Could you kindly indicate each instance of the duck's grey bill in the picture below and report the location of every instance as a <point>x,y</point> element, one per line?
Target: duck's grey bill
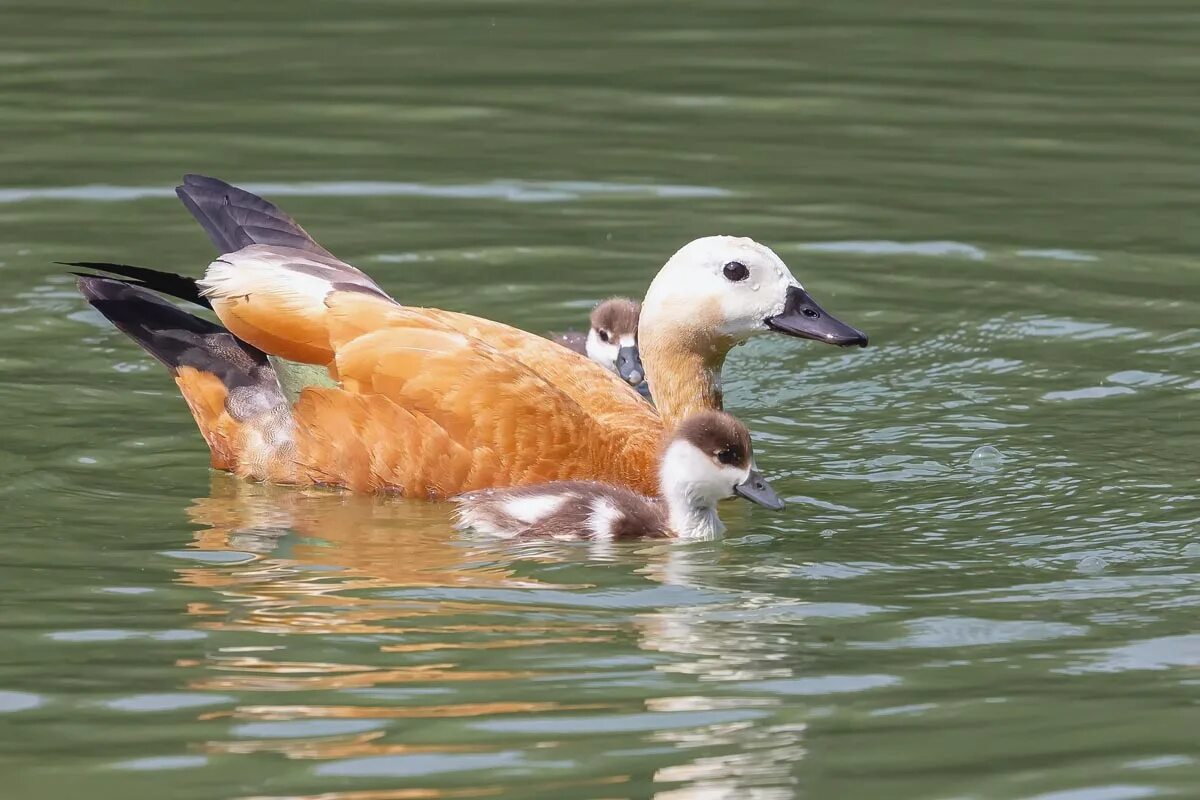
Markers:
<point>801,316</point>
<point>756,489</point>
<point>629,365</point>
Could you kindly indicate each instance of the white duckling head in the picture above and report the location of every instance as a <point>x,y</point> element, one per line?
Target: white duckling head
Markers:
<point>737,288</point>
<point>708,459</point>
<point>612,341</point>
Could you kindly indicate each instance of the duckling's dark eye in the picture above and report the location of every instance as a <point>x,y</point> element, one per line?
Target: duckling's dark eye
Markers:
<point>736,271</point>
<point>603,334</point>
<point>727,456</point>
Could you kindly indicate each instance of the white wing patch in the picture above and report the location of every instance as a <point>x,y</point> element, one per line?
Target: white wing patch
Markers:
<point>603,518</point>
<point>249,271</point>
<point>532,509</point>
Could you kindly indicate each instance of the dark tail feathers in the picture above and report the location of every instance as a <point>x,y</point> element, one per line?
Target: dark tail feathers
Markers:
<point>168,283</point>
<point>177,338</point>
<point>234,218</point>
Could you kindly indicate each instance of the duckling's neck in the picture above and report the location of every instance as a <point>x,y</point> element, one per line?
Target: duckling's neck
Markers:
<point>692,519</point>
<point>683,368</point>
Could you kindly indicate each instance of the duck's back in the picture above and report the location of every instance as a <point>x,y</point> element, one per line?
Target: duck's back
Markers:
<point>565,510</point>
<point>431,403</point>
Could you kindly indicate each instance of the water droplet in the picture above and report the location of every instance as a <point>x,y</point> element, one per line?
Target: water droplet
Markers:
<point>986,459</point>
<point>754,287</point>
<point>1191,550</point>
<point>1091,565</point>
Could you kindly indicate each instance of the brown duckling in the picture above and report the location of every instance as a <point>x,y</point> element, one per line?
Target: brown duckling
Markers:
<point>706,460</point>
<point>611,341</point>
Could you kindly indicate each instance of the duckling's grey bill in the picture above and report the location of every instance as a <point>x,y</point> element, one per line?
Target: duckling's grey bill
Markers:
<point>629,365</point>
<point>756,489</point>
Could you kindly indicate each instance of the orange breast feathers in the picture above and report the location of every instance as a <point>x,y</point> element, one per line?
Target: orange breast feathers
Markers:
<point>432,404</point>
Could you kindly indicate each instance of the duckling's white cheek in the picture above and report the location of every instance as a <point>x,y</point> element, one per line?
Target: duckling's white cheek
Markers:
<point>603,353</point>
<point>693,474</point>
<point>730,478</point>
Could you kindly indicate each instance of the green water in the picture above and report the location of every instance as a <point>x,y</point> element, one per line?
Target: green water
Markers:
<point>1004,195</point>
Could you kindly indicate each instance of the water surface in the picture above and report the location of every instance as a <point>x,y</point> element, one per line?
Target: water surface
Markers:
<point>1002,195</point>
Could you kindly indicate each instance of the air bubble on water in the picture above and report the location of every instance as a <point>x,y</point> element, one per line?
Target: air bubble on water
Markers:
<point>1091,565</point>
<point>986,459</point>
<point>1191,550</point>
<point>86,460</point>
<point>828,533</point>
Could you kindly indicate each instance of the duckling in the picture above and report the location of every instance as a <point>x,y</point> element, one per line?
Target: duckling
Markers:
<point>707,459</point>
<point>612,339</point>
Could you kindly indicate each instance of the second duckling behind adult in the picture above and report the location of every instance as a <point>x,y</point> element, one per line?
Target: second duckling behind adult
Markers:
<point>706,460</point>
<point>611,340</point>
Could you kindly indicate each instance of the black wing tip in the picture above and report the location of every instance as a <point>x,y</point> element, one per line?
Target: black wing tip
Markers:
<point>101,265</point>
<point>97,287</point>
<point>106,288</point>
<point>172,284</point>
<point>196,180</point>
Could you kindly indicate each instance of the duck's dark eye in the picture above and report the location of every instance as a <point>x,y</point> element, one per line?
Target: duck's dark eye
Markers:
<point>736,271</point>
<point>727,456</point>
<point>603,334</point>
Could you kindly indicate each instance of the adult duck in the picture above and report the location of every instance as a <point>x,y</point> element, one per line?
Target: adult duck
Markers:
<point>425,402</point>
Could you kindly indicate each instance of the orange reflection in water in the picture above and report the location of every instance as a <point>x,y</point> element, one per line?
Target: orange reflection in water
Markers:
<point>320,554</point>
<point>334,565</point>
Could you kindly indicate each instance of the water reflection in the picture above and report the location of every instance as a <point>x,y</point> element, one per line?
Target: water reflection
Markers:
<point>564,654</point>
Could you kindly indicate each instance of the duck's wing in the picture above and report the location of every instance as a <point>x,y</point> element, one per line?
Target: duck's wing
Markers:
<point>234,218</point>
<point>432,412</point>
<point>597,390</point>
<point>281,301</point>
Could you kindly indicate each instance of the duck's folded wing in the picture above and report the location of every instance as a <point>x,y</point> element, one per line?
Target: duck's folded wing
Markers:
<point>280,301</point>
<point>521,428</point>
<point>601,393</point>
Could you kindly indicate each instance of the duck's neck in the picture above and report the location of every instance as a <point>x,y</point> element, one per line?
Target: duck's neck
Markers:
<point>683,368</point>
<point>690,519</point>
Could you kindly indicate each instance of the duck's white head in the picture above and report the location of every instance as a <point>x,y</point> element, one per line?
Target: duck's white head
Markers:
<point>733,288</point>
<point>612,338</point>
<point>708,459</point>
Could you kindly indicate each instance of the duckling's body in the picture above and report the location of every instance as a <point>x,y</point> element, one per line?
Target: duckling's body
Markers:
<point>565,510</point>
<point>707,460</point>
